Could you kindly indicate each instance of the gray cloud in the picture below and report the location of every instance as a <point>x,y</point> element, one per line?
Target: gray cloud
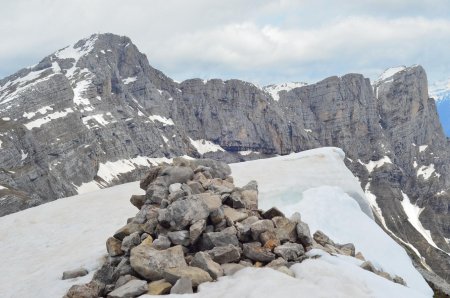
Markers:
<point>260,41</point>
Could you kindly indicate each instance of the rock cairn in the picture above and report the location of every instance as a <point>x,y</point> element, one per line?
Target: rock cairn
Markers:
<point>194,226</point>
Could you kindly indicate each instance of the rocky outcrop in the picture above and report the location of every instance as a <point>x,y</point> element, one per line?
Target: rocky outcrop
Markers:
<point>220,247</point>
<point>96,114</point>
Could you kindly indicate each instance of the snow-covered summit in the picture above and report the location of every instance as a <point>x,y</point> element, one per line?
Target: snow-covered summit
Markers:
<point>275,89</point>
<point>389,73</point>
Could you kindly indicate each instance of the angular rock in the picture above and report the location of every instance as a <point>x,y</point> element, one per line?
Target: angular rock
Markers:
<point>196,229</point>
<point>249,195</point>
<point>367,265</point>
<point>182,213</point>
<point>159,287</point>
<point>233,215</point>
<point>255,252</point>
<point>137,200</point>
<point>182,286</point>
<point>161,243</point>
<point>261,226</point>
<point>398,280</point>
<point>347,249</point>
<point>289,251</point>
<point>204,261</point>
<point>285,230</point>
<point>128,229</point>
<point>271,213</point>
<point>225,254</point>
<point>131,289</point>
<point>277,263</point>
<point>113,246</point>
<point>89,290</point>
<point>231,268</point>
<point>176,174</point>
<point>174,187</point>
<point>217,239</point>
<point>123,280</point>
<point>196,187</point>
<point>195,274</point>
<point>304,235</point>
<point>151,176</point>
<point>321,238</point>
<point>131,241</point>
<point>157,191</point>
<point>150,263</point>
<point>74,273</point>
<point>179,237</point>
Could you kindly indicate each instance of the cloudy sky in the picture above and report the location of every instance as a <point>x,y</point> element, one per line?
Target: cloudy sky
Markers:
<point>259,41</point>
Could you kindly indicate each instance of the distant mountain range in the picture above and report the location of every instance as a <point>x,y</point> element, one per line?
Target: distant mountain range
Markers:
<point>440,91</point>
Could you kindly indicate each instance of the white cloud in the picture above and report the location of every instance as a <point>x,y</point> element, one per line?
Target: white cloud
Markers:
<point>265,41</point>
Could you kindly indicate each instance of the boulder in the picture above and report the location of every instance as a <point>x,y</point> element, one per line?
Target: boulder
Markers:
<point>255,252</point>
<point>289,251</point>
<point>182,213</point>
<point>204,261</point>
<point>225,254</point>
<point>195,274</point>
<point>196,229</point>
<point>182,286</point>
<point>150,263</point>
<point>74,273</point>
<point>367,265</point>
<point>159,287</point>
<point>133,288</point>
<point>196,187</point>
<point>113,246</point>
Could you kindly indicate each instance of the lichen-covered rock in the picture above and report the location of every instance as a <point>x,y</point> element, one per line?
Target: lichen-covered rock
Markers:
<point>289,251</point>
<point>150,263</point>
<point>179,237</point>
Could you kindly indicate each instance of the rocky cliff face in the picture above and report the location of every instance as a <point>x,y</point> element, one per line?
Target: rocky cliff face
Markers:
<point>96,114</point>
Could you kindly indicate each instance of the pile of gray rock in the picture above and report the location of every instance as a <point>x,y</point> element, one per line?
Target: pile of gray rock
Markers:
<point>194,226</point>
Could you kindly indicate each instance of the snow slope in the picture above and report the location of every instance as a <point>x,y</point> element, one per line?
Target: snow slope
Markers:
<point>38,244</point>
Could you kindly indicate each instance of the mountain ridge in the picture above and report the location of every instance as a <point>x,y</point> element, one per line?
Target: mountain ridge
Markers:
<point>96,114</point>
